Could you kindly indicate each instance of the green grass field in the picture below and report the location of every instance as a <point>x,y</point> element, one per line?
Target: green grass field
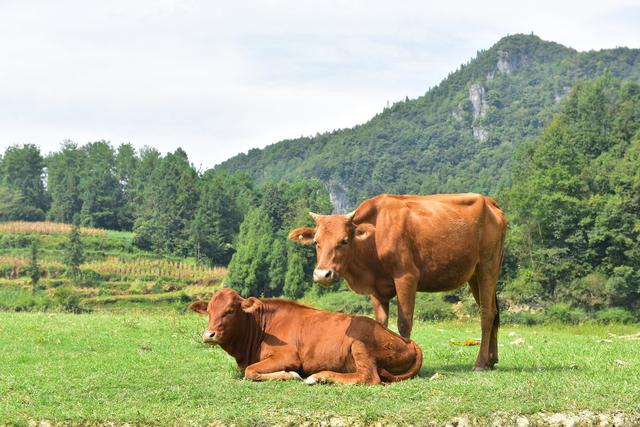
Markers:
<point>152,369</point>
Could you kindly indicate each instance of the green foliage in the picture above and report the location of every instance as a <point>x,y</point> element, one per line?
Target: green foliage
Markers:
<point>169,204</point>
<point>22,173</point>
<point>221,208</point>
<point>74,252</point>
<point>616,315</point>
<point>63,182</point>
<point>564,313</point>
<point>525,288</point>
<point>574,203</point>
<point>265,264</point>
<point>19,298</point>
<point>68,299</point>
<point>33,268</point>
<point>431,306</point>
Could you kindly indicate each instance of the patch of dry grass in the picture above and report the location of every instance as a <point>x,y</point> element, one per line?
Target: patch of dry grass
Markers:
<point>46,227</point>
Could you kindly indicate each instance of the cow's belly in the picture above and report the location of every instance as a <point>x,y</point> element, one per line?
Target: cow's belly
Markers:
<point>446,274</point>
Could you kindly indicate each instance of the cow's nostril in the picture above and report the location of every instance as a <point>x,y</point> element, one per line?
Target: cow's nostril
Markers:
<point>328,274</point>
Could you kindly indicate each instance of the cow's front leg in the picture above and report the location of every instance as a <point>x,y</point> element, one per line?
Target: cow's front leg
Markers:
<point>272,368</point>
<point>380,309</point>
<point>406,287</point>
<point>366,369</point>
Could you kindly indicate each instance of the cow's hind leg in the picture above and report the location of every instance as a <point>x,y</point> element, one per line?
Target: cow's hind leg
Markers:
<point>483,287</point>
<point>366,370</point>
<point>272,368</point>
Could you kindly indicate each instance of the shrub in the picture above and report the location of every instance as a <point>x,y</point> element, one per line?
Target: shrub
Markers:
<point>615,315</point>
<point>344,301</point>
<point>523,318</point>
<point>589,292</point>
<point>564,313</point>
<point>430,306</point>
<point>68,299</point>
<point>526,288</point>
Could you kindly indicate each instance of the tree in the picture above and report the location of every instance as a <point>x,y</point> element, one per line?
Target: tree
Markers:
<point>126,165</point>
<point>265,264</point>
<point>169,204</point>
<point>100,191</point>
<point>33,268</point>
<point>23,171</point>
<point>220,212</point>
<point>10,201</point>
<point>249,268</point>
<point>574,202</point>
<point>64,169</point>
<point>74,251</point>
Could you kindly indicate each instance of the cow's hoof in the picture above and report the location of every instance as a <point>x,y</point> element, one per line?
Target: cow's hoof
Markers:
<point>311,380</point>
<point>295,375</point>
<point>480,369</point>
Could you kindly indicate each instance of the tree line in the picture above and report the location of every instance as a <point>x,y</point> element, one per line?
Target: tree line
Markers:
<point>171,208</point>
<point>574,206</point>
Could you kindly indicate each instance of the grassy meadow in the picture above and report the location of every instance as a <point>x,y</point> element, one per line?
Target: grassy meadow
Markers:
<point>152,369</point>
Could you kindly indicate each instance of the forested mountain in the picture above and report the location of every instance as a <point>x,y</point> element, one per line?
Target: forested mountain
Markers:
<point>460,136</point>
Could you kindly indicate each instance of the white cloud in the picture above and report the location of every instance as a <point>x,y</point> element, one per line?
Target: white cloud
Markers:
<point>219,78</point>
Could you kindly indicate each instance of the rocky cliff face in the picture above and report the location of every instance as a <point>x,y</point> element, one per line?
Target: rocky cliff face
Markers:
<point>338,197</point>
<point>478,99</point>
<point>477,96</point>
<point>507,63</point>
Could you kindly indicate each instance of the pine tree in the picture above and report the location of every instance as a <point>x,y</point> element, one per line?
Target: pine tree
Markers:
<point>295,280</point>
<point>64,169</point>
<point>33,268</point>
<point>23,171</point>
<point>74,252</point>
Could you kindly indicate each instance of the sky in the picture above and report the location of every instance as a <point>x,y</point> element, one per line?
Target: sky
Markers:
<point>220,78</point>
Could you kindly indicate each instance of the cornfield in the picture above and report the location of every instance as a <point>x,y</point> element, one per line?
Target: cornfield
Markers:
<point>156,267</point>
<point>46,227</point>
<point>14,265</point>
<point>129,268</point>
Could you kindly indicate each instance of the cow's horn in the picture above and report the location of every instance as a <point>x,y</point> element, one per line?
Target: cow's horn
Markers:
<point>315,216</point>
<point>350,215</point>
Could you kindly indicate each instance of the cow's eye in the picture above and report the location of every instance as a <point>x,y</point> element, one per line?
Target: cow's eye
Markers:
<point>227,313</point>
<point>315,243</point>
<point>343,242</point>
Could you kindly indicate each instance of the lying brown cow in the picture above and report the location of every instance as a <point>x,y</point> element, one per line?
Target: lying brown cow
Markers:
<point>395,245</point>
<point>279,340</point>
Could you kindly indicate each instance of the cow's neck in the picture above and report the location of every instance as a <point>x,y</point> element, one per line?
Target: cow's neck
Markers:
<point>245,346</point>
<point>355,270</point>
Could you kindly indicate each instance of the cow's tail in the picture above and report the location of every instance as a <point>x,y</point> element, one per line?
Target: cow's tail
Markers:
<point>412,372</point>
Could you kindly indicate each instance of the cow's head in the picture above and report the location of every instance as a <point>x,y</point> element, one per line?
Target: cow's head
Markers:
<point>226,310</point>
<point>335,238</point>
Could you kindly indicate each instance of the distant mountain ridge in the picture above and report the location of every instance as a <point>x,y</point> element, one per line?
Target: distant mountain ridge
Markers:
<point>460,136</point>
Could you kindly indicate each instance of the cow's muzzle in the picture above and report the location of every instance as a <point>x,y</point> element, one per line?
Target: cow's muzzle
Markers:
<point>325,276</point>
<point>209,337</point>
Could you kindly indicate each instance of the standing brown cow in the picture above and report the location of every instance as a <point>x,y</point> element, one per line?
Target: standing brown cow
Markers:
<point>396,245</point>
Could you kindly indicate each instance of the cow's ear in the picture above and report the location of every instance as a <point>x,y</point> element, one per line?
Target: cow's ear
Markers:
<point>199,307</point>
<point>302,235</point>
<point>364,231</point>
<point>251,304</point>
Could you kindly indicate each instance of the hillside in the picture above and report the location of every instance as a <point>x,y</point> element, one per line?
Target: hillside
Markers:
<point>114,275</point>
<point>460,136</point>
